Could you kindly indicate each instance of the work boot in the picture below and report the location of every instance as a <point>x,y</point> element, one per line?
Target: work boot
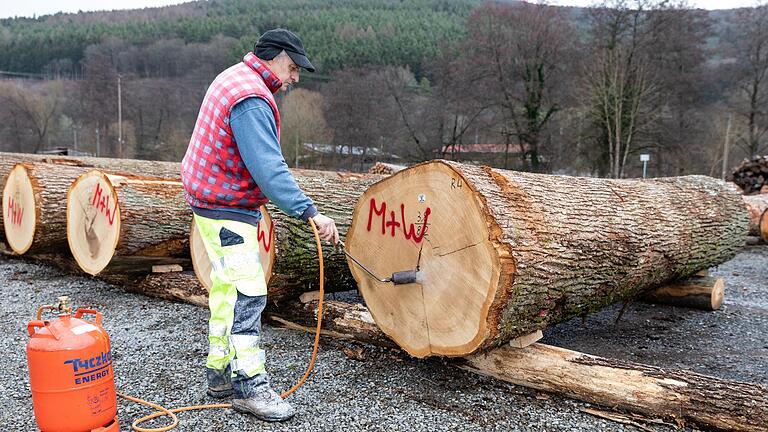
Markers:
<point>266,405</point>
<point>219,383</point>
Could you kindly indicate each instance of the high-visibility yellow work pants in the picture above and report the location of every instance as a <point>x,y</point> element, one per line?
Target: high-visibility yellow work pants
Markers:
<point>236,300</point>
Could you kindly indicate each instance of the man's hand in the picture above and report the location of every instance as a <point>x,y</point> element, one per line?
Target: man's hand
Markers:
<point>327,228</point>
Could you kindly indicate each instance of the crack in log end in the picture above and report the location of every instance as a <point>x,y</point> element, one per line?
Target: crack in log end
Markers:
<point>457,250</point>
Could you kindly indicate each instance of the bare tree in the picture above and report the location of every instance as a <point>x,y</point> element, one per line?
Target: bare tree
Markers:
<point>360,112</point>
<point>619,82</point>
<point>751,44</point>
<point>453,106</point>
<point>677,56</point>
<point>31,113</point>
<point>521,53</point>
<point>301,120</point>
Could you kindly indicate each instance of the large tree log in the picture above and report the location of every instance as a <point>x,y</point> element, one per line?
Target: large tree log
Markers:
<point>677,396</point>
<point>503,254</point>
<point>756,206</point>
<point>119,215</point>
<point>135,166</point>
<point>141,167</point>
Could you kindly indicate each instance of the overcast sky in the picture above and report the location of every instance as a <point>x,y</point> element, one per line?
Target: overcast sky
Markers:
<point>28,8</point>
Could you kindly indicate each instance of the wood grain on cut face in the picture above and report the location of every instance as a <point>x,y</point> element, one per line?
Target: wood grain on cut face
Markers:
<point>93,221</point>
<point>430,218</point>
<point>19,210</point>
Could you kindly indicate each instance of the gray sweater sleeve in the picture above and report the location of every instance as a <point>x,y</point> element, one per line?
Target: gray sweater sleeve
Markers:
<point>253,125</point>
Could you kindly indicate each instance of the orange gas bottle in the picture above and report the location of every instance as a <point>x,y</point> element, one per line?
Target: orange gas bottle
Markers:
<point>70,372</point>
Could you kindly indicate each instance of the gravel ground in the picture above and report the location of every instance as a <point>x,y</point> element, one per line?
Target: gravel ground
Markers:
<point>159,351</point>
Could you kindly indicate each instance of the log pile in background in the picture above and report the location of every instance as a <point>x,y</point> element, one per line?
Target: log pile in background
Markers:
<point>385,168</point>
<point>504,254</point>
<point>751,175</point>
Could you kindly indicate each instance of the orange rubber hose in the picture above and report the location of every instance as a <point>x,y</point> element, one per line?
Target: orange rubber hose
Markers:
<point>162,411</point>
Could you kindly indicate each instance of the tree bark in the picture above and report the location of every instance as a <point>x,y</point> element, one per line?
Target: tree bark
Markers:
<point>700,292</point>
<point>120,215</point>
<point>502,254</point>
<point>677,396</point>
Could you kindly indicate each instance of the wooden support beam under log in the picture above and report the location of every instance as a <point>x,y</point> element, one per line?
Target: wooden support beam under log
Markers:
<point>678,396</point>
<point>502,254</point>
<point>699,292</point>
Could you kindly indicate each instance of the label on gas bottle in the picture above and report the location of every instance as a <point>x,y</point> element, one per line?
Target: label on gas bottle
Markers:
<point>84,328</point>
<point>90,370</point>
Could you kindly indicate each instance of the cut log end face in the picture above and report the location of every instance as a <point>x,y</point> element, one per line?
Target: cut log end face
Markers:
<point>425,217</point>
<point>265,237</point>
<point>93,221</point>
<point>19,210</point>
<point>764,226</point>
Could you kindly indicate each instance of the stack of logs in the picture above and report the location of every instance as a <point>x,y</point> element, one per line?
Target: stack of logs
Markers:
<point>534,253</point>
<point>751,175</point>
<point>385,168</point>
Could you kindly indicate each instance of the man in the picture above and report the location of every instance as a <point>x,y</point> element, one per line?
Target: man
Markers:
<point>233,165</point>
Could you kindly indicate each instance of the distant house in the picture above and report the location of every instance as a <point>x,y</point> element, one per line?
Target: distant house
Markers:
<point>64,151</point>
<point>359,158</point>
